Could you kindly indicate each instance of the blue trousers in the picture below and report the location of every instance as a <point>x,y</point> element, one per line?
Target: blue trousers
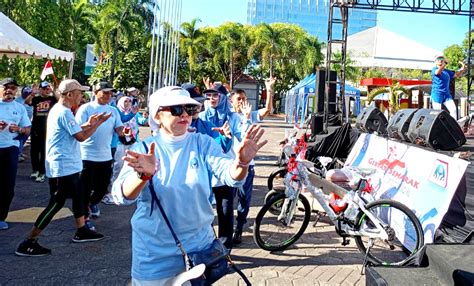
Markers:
<point>245,197</point>
<point>8,168</point>
<point>225,213</point>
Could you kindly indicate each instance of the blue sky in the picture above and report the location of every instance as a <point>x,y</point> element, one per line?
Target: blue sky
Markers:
<point>435,31</point>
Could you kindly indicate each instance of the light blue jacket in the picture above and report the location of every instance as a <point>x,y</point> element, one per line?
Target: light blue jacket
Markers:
<point>183,186</point>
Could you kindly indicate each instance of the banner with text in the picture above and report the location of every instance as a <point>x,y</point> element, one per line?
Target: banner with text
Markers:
<point>423,180</point>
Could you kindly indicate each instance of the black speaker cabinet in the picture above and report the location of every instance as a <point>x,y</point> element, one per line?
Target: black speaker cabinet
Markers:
<point>317,122</point>
<point>370,120</point>
<point>399,123</point>
<point>435,129</point>
<point>320,88</point>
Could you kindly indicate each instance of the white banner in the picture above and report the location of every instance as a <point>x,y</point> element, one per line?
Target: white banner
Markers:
<point>423,180</point>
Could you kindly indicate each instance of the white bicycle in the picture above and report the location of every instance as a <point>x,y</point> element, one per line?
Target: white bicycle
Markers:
<point>385,231</point>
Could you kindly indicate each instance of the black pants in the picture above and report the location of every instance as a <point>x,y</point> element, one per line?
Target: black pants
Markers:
<point>225,213</point>
<point>8,168</point>
<point>95,177</point>
<point>38,151</point>
<point>60,189</point>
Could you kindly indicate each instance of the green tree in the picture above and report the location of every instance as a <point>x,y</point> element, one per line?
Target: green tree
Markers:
<point>116,22</point>
<point>395,91</point>
<point>268,41</point>
<point>190,41</point>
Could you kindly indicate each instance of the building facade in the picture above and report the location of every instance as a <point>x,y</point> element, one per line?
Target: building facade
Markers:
<point>311,15</point>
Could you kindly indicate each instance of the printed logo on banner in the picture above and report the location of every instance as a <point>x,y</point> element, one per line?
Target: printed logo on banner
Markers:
<point>439,174</point>
<point>394,167</point>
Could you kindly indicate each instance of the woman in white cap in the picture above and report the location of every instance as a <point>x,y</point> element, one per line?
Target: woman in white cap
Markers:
<point>180,165</point>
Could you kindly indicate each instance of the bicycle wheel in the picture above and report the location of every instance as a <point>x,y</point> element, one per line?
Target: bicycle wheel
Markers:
<point>276,179</point>
<point>272,234</point>
<point>270,195</point>
<point>404,229</point>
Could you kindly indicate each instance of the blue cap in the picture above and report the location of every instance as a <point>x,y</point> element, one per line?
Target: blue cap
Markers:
<point>44,84</point>
<point>26,91</point>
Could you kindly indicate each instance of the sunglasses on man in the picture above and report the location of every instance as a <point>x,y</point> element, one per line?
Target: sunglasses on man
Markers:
<point>177,110</point>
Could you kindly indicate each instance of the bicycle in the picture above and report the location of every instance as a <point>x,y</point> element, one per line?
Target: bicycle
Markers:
<point>385,231</point>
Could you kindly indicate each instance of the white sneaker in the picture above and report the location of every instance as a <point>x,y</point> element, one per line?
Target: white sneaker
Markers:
<point>40,178</point>
<point>34,175</point>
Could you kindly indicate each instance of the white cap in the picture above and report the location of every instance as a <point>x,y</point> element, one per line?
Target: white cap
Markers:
<point>167,96</point>
<point>68,85</point>
<point>131,89</point>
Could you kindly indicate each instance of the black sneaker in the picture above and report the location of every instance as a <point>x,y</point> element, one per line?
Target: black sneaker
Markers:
<point>84,234</point>
<point>31,247</point>
<point>237,239</point>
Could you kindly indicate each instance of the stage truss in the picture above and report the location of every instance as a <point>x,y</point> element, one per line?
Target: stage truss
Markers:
<point>339,16</point>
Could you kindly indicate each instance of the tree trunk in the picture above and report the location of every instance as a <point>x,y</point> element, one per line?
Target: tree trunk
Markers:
<point>114,58</point>
<point>231,70</point>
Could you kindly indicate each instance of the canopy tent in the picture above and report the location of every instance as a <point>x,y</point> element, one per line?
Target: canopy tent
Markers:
<point>378,47</point>
<point>14,42</point>
<point>298,104</point>
<point>293,102</point>
<point>350,92</point>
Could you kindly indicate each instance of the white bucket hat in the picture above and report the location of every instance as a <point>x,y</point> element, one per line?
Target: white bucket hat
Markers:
<point>167,96</point>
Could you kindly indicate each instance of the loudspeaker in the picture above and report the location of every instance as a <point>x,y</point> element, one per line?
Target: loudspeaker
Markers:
<point>321,86</point>
<point>435,129</point>
<point>399,123</point>
<point>371,119</point>
<point>317,122</point>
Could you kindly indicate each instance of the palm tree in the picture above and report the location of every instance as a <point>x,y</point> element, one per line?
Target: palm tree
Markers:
<point>395,91</point>
<point>268,39</point>
<point>191,40</point>
<point>116,23</point>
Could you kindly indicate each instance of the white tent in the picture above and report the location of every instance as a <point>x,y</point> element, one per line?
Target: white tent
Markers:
<point>14,41</point>
<point>377,47</point>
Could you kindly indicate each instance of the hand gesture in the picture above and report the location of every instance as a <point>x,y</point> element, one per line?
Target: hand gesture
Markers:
<point>207,82</point>
<point>250,144</point>
<point>13,128</point>
<point>135,108</point>
<point>463,66</point>
<point>98,118</point>
<point>127,131</point>
<point>142,163</point>
<point>3,125</point>
<point>269,82</point>
<point>224,130</point>
<point>246,109</point>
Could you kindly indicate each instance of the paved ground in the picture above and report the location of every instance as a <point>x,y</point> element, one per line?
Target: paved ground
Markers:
<point>316,259</point>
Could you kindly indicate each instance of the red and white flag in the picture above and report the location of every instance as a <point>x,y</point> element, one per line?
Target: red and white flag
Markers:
<point>48,69</point>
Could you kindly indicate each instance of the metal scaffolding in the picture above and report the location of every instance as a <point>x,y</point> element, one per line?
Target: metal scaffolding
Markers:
<point>339,17</point>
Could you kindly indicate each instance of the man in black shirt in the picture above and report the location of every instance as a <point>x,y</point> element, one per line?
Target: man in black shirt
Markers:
<point>41,104</point>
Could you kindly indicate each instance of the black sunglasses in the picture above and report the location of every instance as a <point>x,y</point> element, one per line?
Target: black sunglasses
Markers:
<point>177,110</point>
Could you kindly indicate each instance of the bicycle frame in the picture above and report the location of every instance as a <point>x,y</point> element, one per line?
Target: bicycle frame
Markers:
<point>300,176</point>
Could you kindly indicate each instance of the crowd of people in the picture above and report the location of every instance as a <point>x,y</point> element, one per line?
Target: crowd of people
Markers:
<point>202,148</point>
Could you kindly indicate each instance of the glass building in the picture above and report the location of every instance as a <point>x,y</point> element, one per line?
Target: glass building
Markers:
<point>311,15</point>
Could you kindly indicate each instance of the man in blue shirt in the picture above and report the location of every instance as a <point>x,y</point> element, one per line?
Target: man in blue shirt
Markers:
<point>63,166</point>
<point>14,121</point>
<point>441,77</point>
<point>96,153</point>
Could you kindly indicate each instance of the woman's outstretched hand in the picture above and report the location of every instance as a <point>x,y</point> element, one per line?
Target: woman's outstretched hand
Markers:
<point>142,163</point>
<point>250,144</point>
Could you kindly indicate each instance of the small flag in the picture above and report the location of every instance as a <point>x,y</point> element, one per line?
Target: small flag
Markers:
<point>48,69</point>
